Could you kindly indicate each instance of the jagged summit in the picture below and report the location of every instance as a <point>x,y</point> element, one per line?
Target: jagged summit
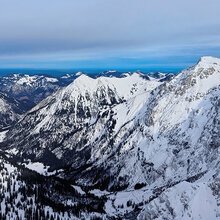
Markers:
<point>209,63</point>
<point>202,76</point>
<point>83,82</point>
<point>124,87</point>
<point>209,60</point>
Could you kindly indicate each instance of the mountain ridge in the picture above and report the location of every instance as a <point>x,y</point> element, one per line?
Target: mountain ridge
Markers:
<point>148,142</point>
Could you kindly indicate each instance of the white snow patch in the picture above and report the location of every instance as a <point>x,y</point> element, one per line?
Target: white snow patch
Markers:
<point>79,189</point>
<point>37,166</point>
<point>2,135</point>
<point>51,79</point>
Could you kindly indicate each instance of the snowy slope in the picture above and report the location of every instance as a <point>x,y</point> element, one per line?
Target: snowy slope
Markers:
<point>183,201</point>
<point>139,141</point>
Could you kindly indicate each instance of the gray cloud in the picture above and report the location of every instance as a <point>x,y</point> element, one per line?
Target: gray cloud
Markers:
<point>106,26</point>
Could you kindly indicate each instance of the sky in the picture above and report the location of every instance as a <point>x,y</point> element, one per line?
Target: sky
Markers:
<point>108,34</point>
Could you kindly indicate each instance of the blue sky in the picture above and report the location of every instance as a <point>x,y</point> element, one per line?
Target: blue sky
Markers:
<point>108,34</point>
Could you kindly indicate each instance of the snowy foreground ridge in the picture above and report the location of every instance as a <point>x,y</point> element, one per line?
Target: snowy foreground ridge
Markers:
<point>131,147</point>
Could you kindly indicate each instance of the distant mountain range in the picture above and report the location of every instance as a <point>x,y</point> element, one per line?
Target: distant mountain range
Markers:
<point>31,89</point>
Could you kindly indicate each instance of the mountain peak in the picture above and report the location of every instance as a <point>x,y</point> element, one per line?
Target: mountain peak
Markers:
<point>82,79</point>
<point>209,60</point>
<point>83,83</point>
<point>78,73</point>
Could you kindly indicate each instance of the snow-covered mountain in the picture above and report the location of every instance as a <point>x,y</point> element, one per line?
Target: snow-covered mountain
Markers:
<point>30,90</point>
<point>69,112</point>
<point>150,147</point>
<point>162,77</point>
<point>10,111</point>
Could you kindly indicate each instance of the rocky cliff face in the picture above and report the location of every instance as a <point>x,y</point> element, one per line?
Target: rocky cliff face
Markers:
<point>150,142</point>
<point>10,111</point>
